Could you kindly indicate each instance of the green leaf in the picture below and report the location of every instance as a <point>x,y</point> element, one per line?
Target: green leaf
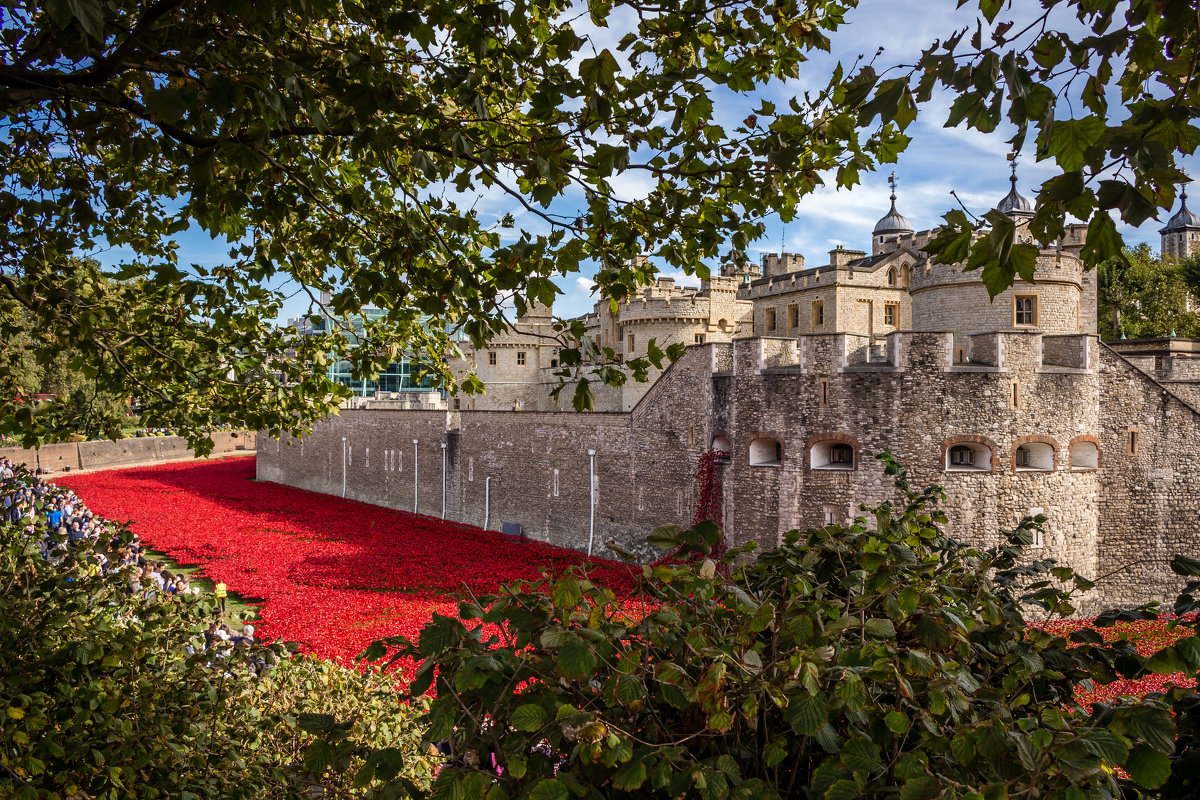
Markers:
<point>1149,768</point>
<point>1154,726</point>
<point>1185,565</point>
<point>631,775</point>
<point>806,713</point>
<point>529,717</point>
<point>665,537</point>
<point>896,722</point>
<point>549,789</point>
<point>567,592</point>
<point>318,757</point>
<point>1070,140</point>
<point>1166,662</point>
<point>860,755</point>
<point>880,628</point>
<point>576,660</point>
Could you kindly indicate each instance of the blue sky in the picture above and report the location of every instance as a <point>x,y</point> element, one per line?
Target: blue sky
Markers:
<point>937,161</point>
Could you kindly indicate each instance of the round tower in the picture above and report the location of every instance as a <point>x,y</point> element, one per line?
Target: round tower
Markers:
<point>944,298</point>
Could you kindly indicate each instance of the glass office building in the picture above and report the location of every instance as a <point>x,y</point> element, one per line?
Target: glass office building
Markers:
<point>400,376</point>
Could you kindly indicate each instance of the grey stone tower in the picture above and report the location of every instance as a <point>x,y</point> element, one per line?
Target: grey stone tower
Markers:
<point>1181,236</point>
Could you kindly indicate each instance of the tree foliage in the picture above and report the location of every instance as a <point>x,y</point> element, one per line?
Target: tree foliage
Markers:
<point>354,146</point>
<point>876,660</point>
<point>1142,295</point>
<point>1107,90</point>
<point>99,698</point>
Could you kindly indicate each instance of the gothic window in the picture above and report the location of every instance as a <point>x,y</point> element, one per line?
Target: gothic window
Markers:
<point>905,275</point>
<point>891,276</point>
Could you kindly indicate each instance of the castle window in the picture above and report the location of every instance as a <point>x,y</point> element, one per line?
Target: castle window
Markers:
<point>721,445</point>
<point>1014,397</point>
<point>1025,310</point>
<point>520,358</point>
<point>1085,455</point>
<point>891,276</point>
<point>698,338</point>
<point>905,275</point>
<point>1132,442</point>
<point>491,358</point>
<point>793,316</point>
<point>969,457</point>
<point>831,455</point>
<point>765,452</point>
<point>830,515</point>
<point>769,319</point>
<point>629,347</point>
<point>1034,457</point>
<point>891,315</point>
<point>960,355</point>
<point>818,314</point>
<point>823,392</point>
<point>457,403</point>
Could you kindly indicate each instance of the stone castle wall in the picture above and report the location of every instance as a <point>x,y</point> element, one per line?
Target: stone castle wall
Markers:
<point>808,394</point>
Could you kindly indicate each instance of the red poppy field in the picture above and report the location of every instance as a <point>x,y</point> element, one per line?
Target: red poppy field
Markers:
<point>335,574</point>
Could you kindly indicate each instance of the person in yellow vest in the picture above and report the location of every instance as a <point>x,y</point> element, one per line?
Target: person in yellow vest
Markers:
<point>221,593</point>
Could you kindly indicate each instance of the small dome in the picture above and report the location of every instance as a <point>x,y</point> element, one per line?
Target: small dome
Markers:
<point>893,222</point>
<point>1014,203</point>
<point>1183,219</point>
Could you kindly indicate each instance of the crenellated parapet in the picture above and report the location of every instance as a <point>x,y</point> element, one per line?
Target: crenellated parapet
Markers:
<point>909,351</point>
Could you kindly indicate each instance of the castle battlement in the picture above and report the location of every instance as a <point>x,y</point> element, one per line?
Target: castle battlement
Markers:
<point>828,354</point>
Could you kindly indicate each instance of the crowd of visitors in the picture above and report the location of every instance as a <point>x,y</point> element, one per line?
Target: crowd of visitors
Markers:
<point>61,521</point>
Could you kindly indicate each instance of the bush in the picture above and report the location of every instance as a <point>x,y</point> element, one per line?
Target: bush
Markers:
<point>877,660</point>
<point>99,698</point>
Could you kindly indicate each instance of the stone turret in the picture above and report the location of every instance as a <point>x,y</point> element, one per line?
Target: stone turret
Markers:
<point>1181,236</point>
<point>1015,204</point>
<point>891,227</point>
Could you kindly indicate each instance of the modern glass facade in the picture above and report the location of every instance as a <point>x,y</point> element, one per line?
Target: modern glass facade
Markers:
<point>400,376</point>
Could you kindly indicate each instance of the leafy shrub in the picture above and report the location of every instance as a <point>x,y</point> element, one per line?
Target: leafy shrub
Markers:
<point>99,698</point>
<point>880,660</point>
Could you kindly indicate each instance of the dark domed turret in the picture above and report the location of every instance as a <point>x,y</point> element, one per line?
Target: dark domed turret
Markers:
<point>1181,236</point>
<point>1184,219</point>
<point>1015,204</point>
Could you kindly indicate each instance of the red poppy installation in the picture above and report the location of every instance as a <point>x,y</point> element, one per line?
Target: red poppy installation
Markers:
<point>332,574</point>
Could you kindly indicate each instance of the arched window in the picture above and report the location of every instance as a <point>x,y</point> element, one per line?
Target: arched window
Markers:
<point>905,275</point>
<point>891,278</point>
<point>766,452</point>
<point>1085,455</point>
<point>1034,457</point>
<point>831,455</point>
<point>969,457</point>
